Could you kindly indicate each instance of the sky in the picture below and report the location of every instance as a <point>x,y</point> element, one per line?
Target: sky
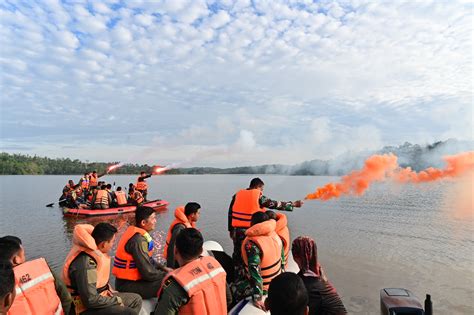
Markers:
<point>231,83</point>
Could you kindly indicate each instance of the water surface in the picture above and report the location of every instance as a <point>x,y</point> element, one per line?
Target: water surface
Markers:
<point>407,236</point>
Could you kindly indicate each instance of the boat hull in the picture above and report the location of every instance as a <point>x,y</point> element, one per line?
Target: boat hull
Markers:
<point>155,204</point>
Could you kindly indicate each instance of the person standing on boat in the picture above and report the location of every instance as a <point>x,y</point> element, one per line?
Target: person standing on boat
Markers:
<point>134,268</point>
<point>198,286</point>
<point>142,185</point>
<point>39,290</point>
<point>262,253</point>
<point>94,179</point>
<point>185,217</point>
<point>86,272</point>
<point>243,205</point>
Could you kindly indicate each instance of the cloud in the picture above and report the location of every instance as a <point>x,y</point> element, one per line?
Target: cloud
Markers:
<point>252,82</point>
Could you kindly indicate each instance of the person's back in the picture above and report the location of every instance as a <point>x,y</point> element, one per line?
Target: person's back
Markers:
<point>287,295</point>
<point>261,253</point>
<point>102,198</point>
<point>120,197</point>
<point>198,286</point>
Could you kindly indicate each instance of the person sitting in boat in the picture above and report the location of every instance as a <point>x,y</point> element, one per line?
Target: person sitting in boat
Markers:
<point>198,286</point>
<point>142,185</point>
<point>135,197</point>
<point>7,289</point>
<point>120,197</point>
<point>185,217</point>
<point>262,253</point>
<point>111,193</point>
<point>101,200</point>
<point>86,272</point>
<point>134,267</point>
<point>39,290</point>
<point>287,295</point>
<point>323,297</point>
<point>283,232</point>
<point>245,203</point>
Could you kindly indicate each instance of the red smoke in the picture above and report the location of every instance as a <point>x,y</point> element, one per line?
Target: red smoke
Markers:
<point>381,167</point>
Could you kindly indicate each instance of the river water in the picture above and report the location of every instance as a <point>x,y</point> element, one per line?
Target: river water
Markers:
<point>411,236</point>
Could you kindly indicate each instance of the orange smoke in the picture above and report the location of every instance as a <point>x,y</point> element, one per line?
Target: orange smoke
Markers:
<point>457,165</point>
<point>381,167</point>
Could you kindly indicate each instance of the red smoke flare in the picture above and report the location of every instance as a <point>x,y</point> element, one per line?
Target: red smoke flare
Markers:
<point>381,167</point>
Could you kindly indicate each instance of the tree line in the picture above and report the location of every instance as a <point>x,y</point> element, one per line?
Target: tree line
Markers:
<point>19,164</point>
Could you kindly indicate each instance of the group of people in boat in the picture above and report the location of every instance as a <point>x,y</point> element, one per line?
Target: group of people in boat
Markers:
<point>91,193</point>
<point>193,280</point>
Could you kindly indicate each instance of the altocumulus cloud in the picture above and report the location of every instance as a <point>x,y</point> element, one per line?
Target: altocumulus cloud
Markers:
<point>231,82</point>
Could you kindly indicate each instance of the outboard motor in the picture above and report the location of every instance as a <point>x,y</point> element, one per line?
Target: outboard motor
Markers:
<point>398,301</point>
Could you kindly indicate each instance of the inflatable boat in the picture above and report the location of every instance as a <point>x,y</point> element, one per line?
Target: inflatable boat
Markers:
<point>157,204</point>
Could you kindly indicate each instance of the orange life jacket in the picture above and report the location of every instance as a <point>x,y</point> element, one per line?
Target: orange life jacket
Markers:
<point>284,233</point>
<point>93,180</point>
<point>85,183</point>
<point>143,185</point>
<point>180,218</point>
<point>246,203</point>
<point>203,280</point>
<point>124,264</point>
<point>82,241</point>
<point>35,290</point>
<point>121,198</point>
<point>102,197</point>
<point>264,236</point>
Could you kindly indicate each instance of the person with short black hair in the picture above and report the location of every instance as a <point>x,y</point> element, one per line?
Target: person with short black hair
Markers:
<point>7,286</point>
<point>245,203</point>
<point>323,297</point>
<point>134,268</point>
<point>287,295</point>
<point>262,253</point>
<point>198,286</point>
<point>185,217</point>
<point>50,288</point>
<point>86,273</point>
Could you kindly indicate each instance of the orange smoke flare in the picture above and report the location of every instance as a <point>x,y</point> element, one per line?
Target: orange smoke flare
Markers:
<point>381,167</point>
